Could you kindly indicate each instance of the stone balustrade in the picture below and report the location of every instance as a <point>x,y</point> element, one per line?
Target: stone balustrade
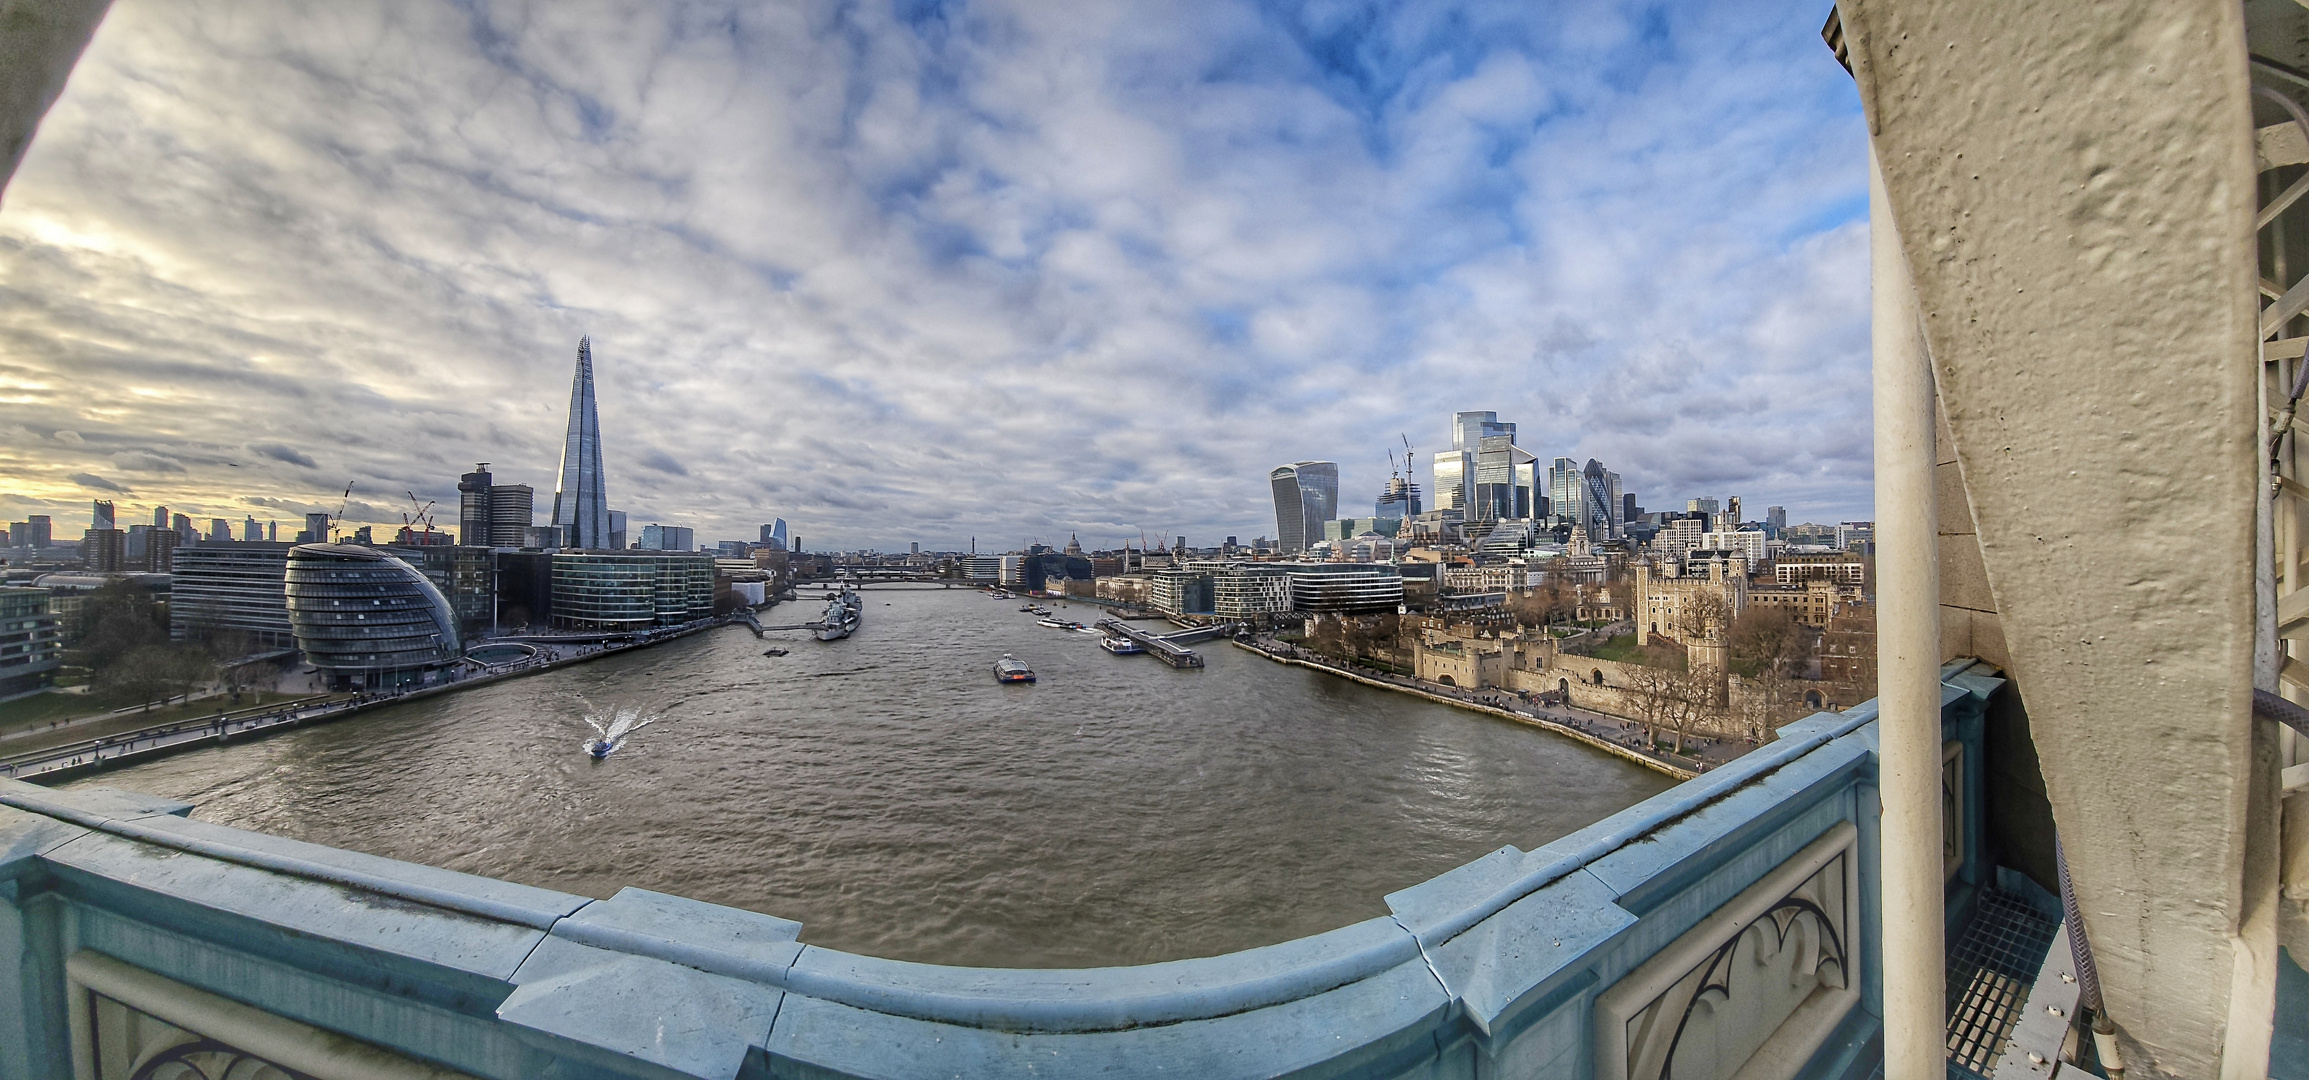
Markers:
<point>1725,926</point>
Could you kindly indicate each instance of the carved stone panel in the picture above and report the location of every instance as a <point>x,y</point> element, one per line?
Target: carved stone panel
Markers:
<point>130,1024</point>
<point>1751,991</point>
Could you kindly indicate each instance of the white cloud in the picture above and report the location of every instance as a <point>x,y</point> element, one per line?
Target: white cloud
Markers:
<point>1007,271</point>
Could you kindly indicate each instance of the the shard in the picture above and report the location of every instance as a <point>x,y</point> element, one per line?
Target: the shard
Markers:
<point>580,503</point>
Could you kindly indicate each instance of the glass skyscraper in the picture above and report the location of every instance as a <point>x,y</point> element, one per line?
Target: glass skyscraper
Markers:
<point>1306,496</point>
<point>580,502</point>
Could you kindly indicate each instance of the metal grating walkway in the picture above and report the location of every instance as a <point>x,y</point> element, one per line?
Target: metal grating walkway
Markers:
<point>1991,968</point>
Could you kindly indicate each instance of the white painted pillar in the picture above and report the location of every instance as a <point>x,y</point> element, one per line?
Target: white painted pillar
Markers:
<point>1907,663</point>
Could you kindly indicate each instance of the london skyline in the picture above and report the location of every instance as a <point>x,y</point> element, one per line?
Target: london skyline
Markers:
<point>1033,276</point>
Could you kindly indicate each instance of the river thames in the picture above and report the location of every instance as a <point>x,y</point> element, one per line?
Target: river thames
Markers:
<point>886,793</point>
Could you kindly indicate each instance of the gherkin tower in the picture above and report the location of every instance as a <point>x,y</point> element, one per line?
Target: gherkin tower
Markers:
<point>580,503</point>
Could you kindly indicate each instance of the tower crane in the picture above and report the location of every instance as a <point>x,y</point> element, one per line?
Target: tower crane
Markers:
<point>342,501</point>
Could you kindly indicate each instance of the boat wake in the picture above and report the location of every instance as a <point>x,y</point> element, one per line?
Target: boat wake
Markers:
<point>613,728</point>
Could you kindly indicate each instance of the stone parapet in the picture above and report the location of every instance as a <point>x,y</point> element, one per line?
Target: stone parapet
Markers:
<point>130,931</point>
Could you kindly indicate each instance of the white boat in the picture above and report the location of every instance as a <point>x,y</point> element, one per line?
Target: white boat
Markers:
<point>1081,629</point>
<point>1050,622</point>
<point>1121,646</point>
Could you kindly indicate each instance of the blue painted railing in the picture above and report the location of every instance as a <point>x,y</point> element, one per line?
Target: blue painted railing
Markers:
<point>111,900</point>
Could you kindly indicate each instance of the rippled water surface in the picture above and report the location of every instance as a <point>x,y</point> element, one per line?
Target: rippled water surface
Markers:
<point>889,795</point>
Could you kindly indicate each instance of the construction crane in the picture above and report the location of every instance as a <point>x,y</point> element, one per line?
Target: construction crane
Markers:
<point>342,501</point>
<point>420,525</point>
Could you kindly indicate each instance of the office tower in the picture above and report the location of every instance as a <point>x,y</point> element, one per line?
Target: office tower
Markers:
<point>1451,470</point>
<point>1502,488</point>
<point>272,532</point>
<point>100,515</point>
<point>473,521</point>
<point>1306,496</point>
<point>1589,497</point>
<point>512,510</point>
<point>43,530</point>
<point>617,530</point>
<point>1732,507</point>
<point>1077,547</point>
<point>185,533</point>
<point>316,529</point>
<point>160,517</point>
<point>251,532</point>
<point>1701,506</point>
<point>581,499</point>
<point>1628,510</point>
<point>19,534</point>
<point>219,530</point>
<point>1775,518</point>
<point>774,533</point>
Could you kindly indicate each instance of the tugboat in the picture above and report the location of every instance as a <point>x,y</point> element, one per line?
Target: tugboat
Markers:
<point>1010,669</point>
<point>843,612</point>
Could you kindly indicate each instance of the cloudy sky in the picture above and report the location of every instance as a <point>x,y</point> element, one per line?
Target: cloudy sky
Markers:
<point>900,270</point>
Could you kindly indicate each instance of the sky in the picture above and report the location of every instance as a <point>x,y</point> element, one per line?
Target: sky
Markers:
<point>906,271</point>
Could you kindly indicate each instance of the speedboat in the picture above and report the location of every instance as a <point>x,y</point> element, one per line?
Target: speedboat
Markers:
<point>600,748</point>
<point>1081,629</point>
<point>1121,646</point>
<point>1010,669</point>
<point>1050,622</point>
<point>1027,609</point>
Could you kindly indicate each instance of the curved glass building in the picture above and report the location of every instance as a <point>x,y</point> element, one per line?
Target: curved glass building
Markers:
<point>1346,588</point>
<point>1306,496</point>
<point>367,618</point>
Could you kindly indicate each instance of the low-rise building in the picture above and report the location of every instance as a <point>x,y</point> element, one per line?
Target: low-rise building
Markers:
<point>630,591</point>
<point>1484,579</point>
<point>1182,590</point>
<point>231,587</point>
<point>1345,588</point>
<point>1247,590</point>
<point>31,640</point>
<point>1125,588</point>
<point>366,619</point>
<point>1842,568</point>
<point>1811,603</point>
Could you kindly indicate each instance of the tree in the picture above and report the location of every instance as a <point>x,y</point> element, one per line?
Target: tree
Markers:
<point>1704,614</point>
<point>1769,638</point>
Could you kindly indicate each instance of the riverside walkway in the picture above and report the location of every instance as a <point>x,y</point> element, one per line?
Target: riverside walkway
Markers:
<point>61,760</point>
<point>1608,733</point>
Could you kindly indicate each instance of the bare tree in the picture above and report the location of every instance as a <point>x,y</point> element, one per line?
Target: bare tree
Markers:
<point>1704,614</point>
<point>1769,637</point>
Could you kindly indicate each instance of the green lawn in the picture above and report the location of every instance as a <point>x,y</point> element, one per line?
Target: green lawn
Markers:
<point>1619,650</point>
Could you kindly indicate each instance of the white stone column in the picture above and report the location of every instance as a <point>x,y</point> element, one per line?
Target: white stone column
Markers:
<point>1907,663</point>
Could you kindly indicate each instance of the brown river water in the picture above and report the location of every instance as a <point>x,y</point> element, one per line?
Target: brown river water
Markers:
<point>886,793</point>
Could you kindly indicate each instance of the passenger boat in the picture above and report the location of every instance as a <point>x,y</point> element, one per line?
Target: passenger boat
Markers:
<point>1050,622</point>
<point>1081,629</point>
<point>1010,669</point>
<point>1026,609</point>
<point>1121,646</point>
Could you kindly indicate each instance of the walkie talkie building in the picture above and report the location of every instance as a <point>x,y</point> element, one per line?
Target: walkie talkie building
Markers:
<point>580,503</point>
<point>1306,496</point>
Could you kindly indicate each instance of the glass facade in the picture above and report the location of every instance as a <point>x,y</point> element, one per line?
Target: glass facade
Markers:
<point>1346,588</point>
<point>31,640</point>
<point>581,501</point>
<point>232,587</point>
<point>367,618</point>
<point>1306,496</point>
<point>630,592</point>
